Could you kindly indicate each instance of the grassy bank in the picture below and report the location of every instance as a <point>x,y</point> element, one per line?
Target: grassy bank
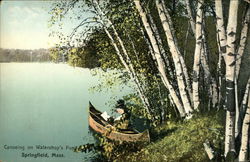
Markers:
<point>181,141</point>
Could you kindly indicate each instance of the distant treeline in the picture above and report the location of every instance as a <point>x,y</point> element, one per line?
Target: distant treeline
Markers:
<point>19,55</point>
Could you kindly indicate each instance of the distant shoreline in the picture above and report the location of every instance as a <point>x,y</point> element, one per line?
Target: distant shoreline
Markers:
<point>28,62</point>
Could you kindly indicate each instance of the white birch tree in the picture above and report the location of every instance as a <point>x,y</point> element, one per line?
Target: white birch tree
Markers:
<point>230,74</point>
<point>176,57</point>
<point>197,54</point>
<point>239,55</point>
<point>159,59</point>
<point>210,80</point>
<point>190,16</point>
<point>242,45</point>
<point>125,60</point>
<point>244,148</point>
<point>183,64</point>
<point>220,27</point>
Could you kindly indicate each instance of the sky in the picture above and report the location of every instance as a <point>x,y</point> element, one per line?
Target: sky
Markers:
<point>24,24</point>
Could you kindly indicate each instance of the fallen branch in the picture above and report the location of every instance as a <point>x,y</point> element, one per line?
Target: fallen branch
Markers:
<point>209,150</point>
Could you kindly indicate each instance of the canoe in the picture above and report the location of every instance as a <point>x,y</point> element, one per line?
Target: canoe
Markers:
<point>100,125</point>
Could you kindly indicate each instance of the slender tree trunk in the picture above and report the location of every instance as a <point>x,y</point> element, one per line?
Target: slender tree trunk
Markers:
<point>204,57</point>
<point>133,47</point>
<point>221,26</point>
<point>237,111</point>
<point>230,74</point>
<point>186,40</point>
<point>242,109</point>
<point>213,94</point>
<point>221,40</point>
<point>142,94</point>
<point>128,66</point>
<point>219,69</point>
<point>190,16</point>
<point>197,55</point>
<point>237,67</point>
<point>161,66</point>
<point>160,44</point>
<point>208,77</point>
<point>245,98</point>
<point>151,51</point>
<point>219,80</point>
<point>163,108</point>
<point>245,134</point>
<point>132,76</point>
<point>243,39</point>
<point>239,55</point>
<point>170,87</point>
<point>176,58</point>
<point>186,77</point>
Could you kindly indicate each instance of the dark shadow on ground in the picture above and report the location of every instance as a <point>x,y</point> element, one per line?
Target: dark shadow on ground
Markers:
<point>154,136</point>
<point>140,124</point>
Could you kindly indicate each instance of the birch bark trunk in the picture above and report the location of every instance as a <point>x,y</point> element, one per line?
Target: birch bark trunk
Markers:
<point>221,27</point>
<point>221,39</point>
<point>176,58</point>
<point>239,55</point>
<point>128,66</point>
<point>245,98</point>
<point>243,39</point>
<point>245,134</point>
<point>219,71</point>
<point>141,91</point>
<point>230,76</point>
<point>183,65</point>
<point>197,55</point>
<point>242,110</point>
<point>132,76</point>
<point>213,94</point>
<point>190,16</point>
<point>161,66</point>
<point>160,44</point>
<point>151,51</point>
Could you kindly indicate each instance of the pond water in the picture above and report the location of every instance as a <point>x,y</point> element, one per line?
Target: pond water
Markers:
<point>46,104</point>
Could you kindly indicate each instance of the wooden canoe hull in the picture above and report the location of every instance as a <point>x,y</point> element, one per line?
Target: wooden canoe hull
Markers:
<point>106,130</point>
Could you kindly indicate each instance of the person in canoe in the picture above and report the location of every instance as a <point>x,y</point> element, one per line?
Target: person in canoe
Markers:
<point>123,121</point>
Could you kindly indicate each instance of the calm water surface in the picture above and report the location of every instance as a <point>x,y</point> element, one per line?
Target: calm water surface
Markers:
<point>46,104</point>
